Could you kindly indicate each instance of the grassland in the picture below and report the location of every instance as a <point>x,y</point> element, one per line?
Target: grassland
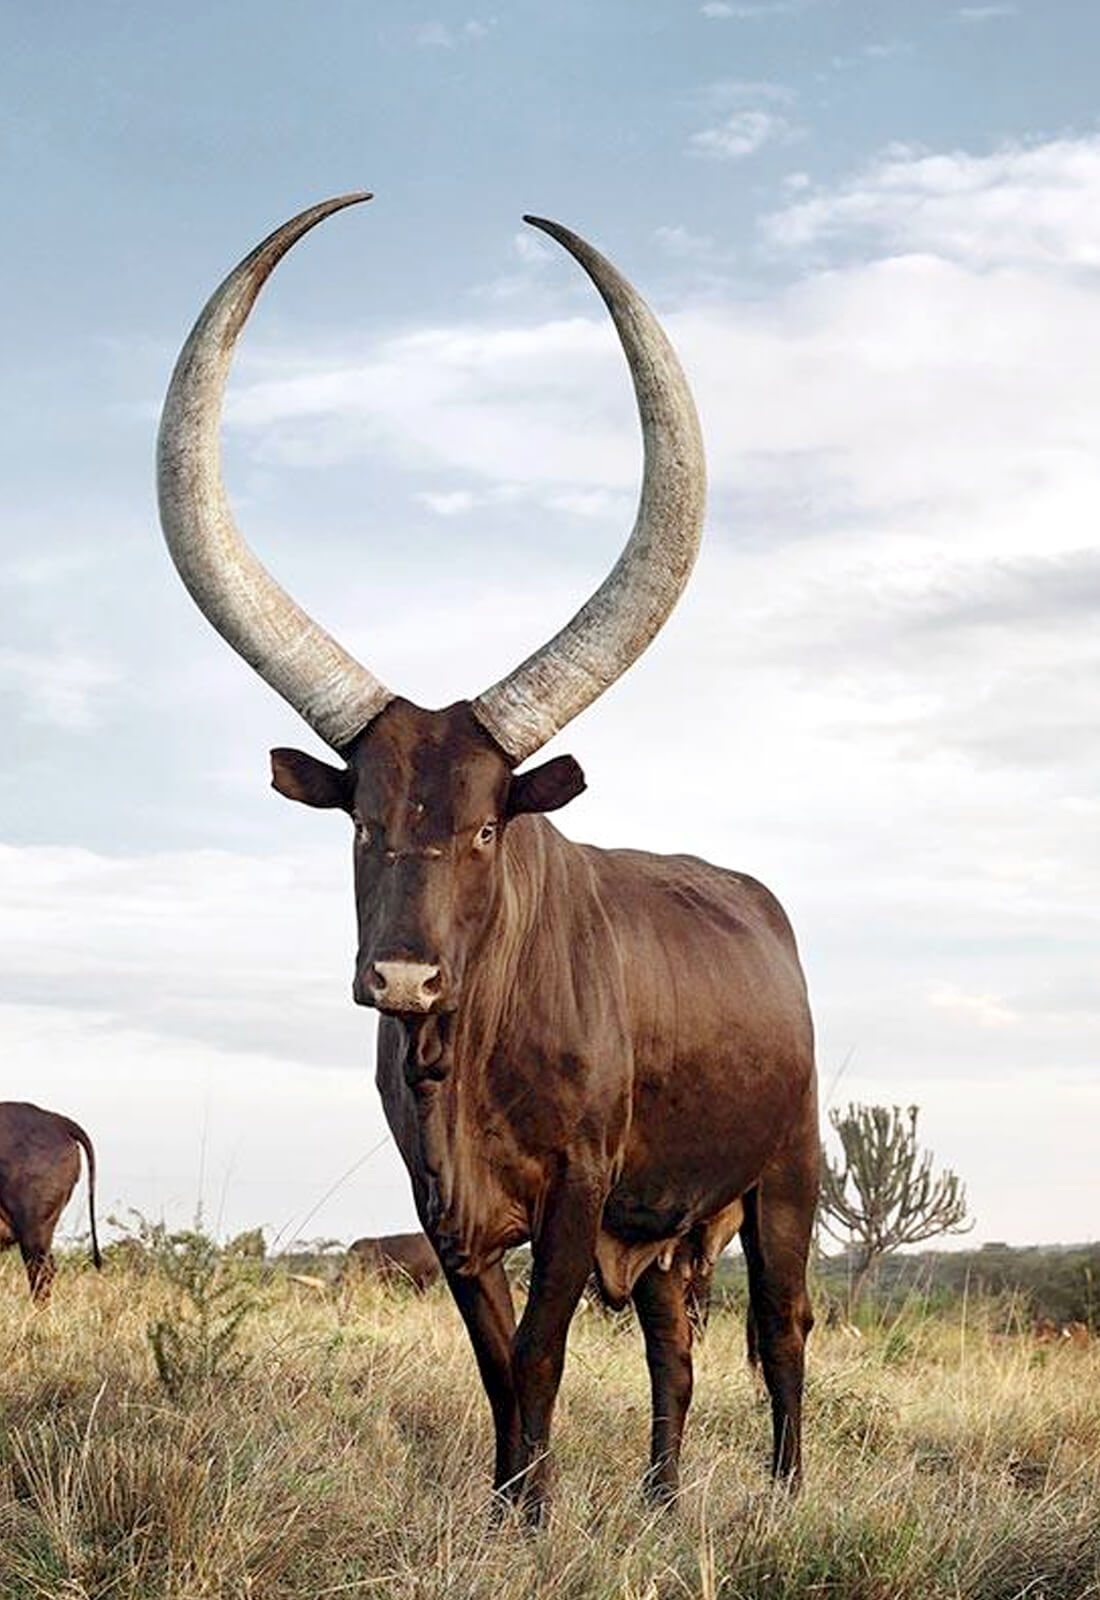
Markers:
<point>348,1456</point>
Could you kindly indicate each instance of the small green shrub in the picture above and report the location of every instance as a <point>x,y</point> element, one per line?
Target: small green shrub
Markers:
<point>210,1293</point>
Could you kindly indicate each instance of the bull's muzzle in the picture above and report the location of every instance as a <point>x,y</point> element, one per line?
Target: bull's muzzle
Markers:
<point>400,986</point>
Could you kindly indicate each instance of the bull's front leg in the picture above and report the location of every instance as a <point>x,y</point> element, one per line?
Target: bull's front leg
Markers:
<point>562,1253</point>
<point>486,1306</point>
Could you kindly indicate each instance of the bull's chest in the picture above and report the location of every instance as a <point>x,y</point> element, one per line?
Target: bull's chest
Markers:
<point>484,1140</point>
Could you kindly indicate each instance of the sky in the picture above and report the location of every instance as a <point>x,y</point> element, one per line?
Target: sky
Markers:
<point>873,234</point>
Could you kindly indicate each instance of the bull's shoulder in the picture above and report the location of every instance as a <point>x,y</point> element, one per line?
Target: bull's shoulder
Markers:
<point>552,861</point>
<point>641,878</point>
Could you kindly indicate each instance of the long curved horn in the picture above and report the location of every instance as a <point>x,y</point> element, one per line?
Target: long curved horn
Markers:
<point>611,630</point>
<point>328,687</point>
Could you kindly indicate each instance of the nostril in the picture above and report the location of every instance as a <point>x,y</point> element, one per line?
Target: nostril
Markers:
<point>403,985</point>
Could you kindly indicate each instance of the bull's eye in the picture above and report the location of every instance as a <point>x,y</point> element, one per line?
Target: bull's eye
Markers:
<point>485,835</point>
<point>362,832</point>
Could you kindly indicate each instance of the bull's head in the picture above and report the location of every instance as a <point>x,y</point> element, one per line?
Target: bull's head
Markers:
<point>430,796</point>
<point>430,793</point>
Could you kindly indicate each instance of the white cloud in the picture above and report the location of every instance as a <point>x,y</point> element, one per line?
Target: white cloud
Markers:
<point>584,503</point>
<point>64,688</point>
<point>529,249</point>
<point>433,36</point>
<point>744,10</point>
<point>436,35</point>
<point>879,50</point>
<point>742,134</point>
<point>985,13</point>
<point>593,503</point>
<point>450,503</point>
<point>681,244</point>
<point>482,400</point>
<point>37,568</point>
<point>724,93</point>
<point>987,1010</point>
<point>886,50</point>
<point>1037,205</point>
<point>890,389</point>
<point>885,390</point>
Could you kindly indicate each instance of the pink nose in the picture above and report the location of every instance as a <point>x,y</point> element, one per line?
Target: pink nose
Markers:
<point>403,985</point>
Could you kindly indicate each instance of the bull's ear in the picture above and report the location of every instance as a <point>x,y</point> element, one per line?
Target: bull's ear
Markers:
<point>546,788</point>
<point>313,782</point>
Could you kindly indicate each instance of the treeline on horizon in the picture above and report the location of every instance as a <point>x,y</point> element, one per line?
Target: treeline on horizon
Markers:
<point>1034,1283</point>
<point>1059,1283</point>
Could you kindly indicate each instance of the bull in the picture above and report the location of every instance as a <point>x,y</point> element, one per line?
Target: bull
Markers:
<point>605,1053</point>
<point>39,1167</point>
<point>394,1258</point>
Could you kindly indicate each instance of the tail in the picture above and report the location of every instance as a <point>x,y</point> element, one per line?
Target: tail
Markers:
<point>82,1139</point>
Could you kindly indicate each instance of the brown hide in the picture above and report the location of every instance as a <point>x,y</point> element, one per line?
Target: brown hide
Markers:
<point>614,1061</point>
<point>640,1018</point>
<point>39,1166</point>
<point>393,1258</point>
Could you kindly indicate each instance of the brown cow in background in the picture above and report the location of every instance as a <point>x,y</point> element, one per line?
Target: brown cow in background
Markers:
<point>39,1166</point>
<point>394,1258</point>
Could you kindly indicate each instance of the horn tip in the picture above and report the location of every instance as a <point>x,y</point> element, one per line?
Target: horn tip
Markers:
<point>557,230</point>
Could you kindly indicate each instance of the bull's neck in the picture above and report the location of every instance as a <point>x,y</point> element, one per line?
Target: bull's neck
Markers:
<point>542,887</point>
<point>494,971</point>
<point>535,873</point>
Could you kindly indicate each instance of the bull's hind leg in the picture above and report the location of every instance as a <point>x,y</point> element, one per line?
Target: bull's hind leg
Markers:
<point>41,1269</point>
<point>35,1237</point>
<point>661,1301</point>
<point>776,1236</point>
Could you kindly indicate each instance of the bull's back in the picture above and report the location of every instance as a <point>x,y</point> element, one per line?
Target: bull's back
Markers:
<point>39,1161</point>
<point>701,946</point>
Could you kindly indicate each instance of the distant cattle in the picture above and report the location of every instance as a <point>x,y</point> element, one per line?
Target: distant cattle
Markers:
<point>1047,1331</point>
<point>394,1258</point>
<point>39,1166</point>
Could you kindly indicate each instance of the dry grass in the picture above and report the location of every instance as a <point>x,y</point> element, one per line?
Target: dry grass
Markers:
<point>350,1458</point>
